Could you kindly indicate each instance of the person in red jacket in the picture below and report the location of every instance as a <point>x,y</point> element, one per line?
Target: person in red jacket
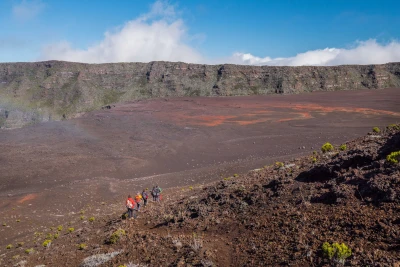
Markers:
<point>130,205</point>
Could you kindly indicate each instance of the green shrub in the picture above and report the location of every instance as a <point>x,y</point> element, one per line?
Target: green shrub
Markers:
<point>313,159</point>
<point>18,220</point>
<point>114,238</point>
<point>91,219</point>
<point>56,235</point>
<point>393,158</point>
<point>9,246</point>
<point>46,243</point>
<point>327,147</point>
<point>71,229</point>
<point>336,252</point>
<point>82,246</point>
<point>236,175</point>
<point>20,244</point>
<point>279,164</point>
<point>4,224</point>
<point>60,228</point>
<point>82,218</point>
<point>29,250</point>
<point>343,147</point>
<point>82,212</point>
<point>376,130</point>
<point>394,127</point>
<point>191,187</point>
<point>49,236</point>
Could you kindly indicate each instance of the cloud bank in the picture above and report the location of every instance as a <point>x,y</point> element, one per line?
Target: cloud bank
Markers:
<point>365,52</point>
<point>160,35</point>
<point>157,35</point>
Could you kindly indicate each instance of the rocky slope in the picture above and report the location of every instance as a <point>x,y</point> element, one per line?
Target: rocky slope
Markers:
<point>276,215</point>
<point>53,90</point>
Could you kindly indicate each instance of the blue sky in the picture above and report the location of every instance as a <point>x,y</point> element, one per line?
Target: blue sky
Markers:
<point>281,32</point>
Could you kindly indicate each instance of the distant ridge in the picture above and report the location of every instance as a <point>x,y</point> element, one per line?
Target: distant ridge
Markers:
<point>53,90</point>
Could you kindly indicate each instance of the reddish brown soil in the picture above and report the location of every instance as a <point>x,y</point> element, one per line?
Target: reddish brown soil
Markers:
<point>272,216</point>
<point>51,171</point>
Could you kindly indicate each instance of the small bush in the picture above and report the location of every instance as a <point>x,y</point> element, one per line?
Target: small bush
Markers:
<point>20,244</point>
<point>393,127</point>
<point>9,246</point>
<point>82,212</point>
<point>82,246</point>
<point>49,236</point>
<point>18,220</point>
<point>60,228</point>
<point>46,243</point>
<point>314,159</point>
<point>376,130</point>
<point>236,175</point>
<point>29,250</point>
<point>314,152</point>
<point>343,147</point>
<point>4,224</point>
<point>91,219</point>
<point>327,147</point>
<point>279,164</point>
<point>71,229</point>
<point>336,252</point>
<point>56,235</point>
<point>393,158</point>
<point>114,238</point>
<point>82,218</point>
<point>191,187</point>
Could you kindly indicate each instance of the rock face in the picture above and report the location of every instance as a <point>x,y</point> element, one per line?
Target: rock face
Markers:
<point>55,90</point>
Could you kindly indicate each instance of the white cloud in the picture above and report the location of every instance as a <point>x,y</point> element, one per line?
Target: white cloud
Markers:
<point>160,35</point>
<point>365,52</point>
<point>157,35</point>
<point>27,10</point>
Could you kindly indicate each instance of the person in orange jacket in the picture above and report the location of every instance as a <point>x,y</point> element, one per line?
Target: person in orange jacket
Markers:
<point>130,205</point>
<point>138,198</point>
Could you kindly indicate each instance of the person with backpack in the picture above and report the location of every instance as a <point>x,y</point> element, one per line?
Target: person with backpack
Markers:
<point>130,205</point>
<point>157,191</point>
<point>145,196</point>
<point>153,193</point>
<point>138,198</point>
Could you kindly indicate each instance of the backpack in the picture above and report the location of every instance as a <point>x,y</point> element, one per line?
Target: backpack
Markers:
<point>144,195</point>
<point>129,204</point>
<point>157,191</point>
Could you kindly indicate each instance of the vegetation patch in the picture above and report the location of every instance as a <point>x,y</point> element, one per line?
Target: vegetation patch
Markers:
<point>91,219</point>
<point>46,243</point>
<point>82,246</point>
<point>71,229</point>
<point>9,246</point>
<point>376,130</point>
<point>393,158</point>
<point>327,147</point>
<point>337,253</point>
<point>29,251</point>
<point>115,237</point>
<point>343,147</point>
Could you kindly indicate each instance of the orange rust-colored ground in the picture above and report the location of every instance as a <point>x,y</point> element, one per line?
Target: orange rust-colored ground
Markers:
<point>260,113</point>
<point>27,198</point>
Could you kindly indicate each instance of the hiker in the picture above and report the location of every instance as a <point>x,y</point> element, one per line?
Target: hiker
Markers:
<point>138,198</point>
<point>157,191</point>
<point>130,205</point>
<point>145,196</point>
<point>153,193</point>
